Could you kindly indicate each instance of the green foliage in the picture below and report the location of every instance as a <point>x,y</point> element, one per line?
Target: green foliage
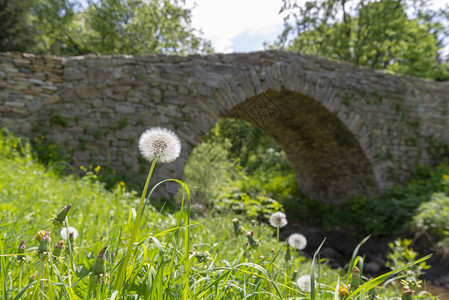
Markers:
<point>256,208</point>
<point>386,215</point>
<point>401,254</point>
<point>218,266</point>
<point>59,27</point>
<point>51,154</point>
<point>140,27</point>
<point>75,27</point>
<point>377,34</point>
<point>58,119</point>
<point>433,217</point>
<point>16,32</point>
<point>209,169</point>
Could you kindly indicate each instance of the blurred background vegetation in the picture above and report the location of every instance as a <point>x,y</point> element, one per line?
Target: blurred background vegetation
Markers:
<point>400,36</point>
<point>69,27</point>
<point>237,167</point>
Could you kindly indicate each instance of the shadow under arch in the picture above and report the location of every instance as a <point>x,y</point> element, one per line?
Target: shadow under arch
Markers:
<point>328,162</point>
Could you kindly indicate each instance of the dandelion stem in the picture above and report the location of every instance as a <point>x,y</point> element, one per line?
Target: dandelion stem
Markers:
<point>277,234</point>
<point>42,278</point>
<point>135,232</point>
<point>20,276</point>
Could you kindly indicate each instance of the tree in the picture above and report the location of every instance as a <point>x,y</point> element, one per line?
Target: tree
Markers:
<point>16,33</point>
<point>377,34</point>
<point>60,28</point>
<point>66,27</point>
<point>139,27</point>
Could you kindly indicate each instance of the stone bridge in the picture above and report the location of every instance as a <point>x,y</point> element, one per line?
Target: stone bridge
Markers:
<point>346,129</point>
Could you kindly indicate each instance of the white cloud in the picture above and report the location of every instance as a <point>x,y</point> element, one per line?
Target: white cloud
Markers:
<point>222,21</point>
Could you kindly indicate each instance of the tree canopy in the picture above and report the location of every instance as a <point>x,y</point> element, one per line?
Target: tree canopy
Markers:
<point>16,32</point>
<point>74,27</point>
<point>401,36</point>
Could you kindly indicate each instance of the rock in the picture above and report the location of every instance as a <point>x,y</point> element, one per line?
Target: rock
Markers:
<point>34,105</point>
<point>125,109</point>
<point>85,91</point>
<point>36,81</point>
<point>72,74</point>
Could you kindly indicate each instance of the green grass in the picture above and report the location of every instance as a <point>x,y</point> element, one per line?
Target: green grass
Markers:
<point>214,264</point>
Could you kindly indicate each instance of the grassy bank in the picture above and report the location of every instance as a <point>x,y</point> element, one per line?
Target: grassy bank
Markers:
<point>174,258</point>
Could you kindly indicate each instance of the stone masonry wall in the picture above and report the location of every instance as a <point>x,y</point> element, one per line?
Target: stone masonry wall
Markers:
<point>335,121</point>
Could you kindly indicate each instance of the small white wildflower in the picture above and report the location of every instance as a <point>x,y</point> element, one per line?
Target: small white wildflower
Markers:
<point>278,219</point>
<point>72,231</point>
<point>297,241</point>
<point>160,144</point>
<point>304,283</point>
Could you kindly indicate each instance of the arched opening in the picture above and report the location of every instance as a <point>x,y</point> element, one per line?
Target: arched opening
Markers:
<point>326,157</point>
<point>238,166</point>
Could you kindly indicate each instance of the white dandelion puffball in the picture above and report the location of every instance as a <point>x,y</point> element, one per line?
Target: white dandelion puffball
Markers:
<point>297,241</point>
<point>159,144</point>
<point>304,283</point>
<point>278,219</point>
<point>72,231</point>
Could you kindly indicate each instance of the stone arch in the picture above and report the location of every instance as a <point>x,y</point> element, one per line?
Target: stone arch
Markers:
<point>387,124</point>
<point>326,157</point>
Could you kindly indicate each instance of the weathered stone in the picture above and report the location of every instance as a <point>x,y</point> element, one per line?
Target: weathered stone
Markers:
<point>15,104</point>
<point>73,74</point>
<point>36,81</point>
<point>53,99</point>
<point>343,127</point>
<point>34,105</point>
<point>85,91</point>
<point>126,109</point>
<point>97,103</point>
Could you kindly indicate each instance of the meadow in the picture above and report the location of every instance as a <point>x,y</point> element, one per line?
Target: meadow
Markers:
<point>70,237</point>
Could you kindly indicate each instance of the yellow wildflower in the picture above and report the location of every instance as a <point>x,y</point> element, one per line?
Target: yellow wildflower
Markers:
<point>343,292</point>
<point>40,234</point>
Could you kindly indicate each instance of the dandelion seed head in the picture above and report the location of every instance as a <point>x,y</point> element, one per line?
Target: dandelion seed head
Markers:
<point>304,283</point>
<point>297,241</point>
<point>72,233</point>
<point>160,144</point>
<point>278,220</point>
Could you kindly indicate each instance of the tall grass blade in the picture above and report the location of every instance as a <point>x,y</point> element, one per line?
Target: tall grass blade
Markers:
<point>313,289</point>
<point>354,259</point>
<point>378,280</point>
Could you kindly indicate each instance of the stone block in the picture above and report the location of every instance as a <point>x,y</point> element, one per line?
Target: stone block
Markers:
<point>36,81</point>
<point>85,91</point>
<point>73,74</point>
<point>125,109</point>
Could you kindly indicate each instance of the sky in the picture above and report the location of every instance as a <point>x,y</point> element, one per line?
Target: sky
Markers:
<point>237,25</point>
<point>242,25</point>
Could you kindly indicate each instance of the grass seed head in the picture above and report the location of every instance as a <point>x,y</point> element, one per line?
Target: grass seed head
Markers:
<point>159,144</point>
<point>58,248</point>
<point>304,283</point>
<point>99,267</point>
<point>21,249</point>
<point>278,220</point>
<point>60,218</point>
<point>238,229</point>
<point>72,233</point>
<point>45,245</point>
<point>297,241</point>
